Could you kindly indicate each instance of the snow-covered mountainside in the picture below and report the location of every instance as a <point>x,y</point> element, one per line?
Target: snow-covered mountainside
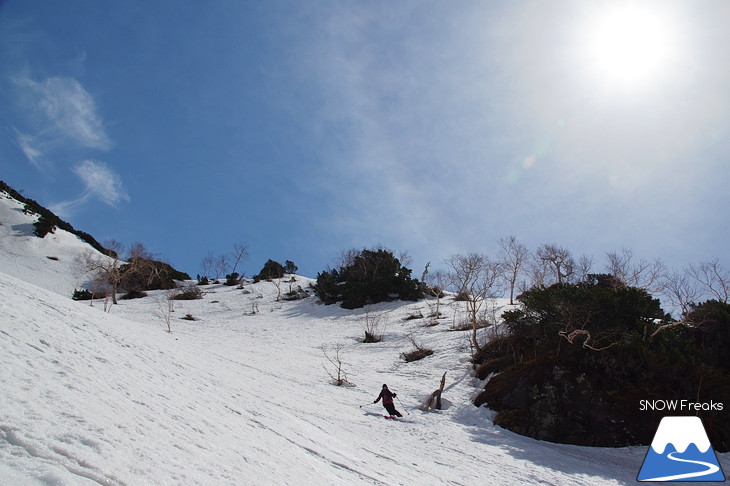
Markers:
<point>47,262</point>
<point>242,395</point>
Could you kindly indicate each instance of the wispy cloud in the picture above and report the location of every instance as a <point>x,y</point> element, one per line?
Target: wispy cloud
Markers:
<point>62,115</point>
<point>62,120</point>
<point>100,183</point>
<point>30,148</point>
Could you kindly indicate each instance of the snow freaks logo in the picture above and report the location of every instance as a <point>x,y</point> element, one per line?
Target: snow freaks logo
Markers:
<point>681,451</point>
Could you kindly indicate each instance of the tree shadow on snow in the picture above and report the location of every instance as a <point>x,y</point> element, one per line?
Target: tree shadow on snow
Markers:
<point>621,464</point>
<point>23,229</point>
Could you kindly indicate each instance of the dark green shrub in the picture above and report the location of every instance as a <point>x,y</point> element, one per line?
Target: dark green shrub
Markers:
<point>371,337</point>
<point>232,279</point>
<point>148,274</point>
<point>373,276</point>
<point>82,294</point>
<point>272,269</point>
<point>579,358</point>
<point>290,267</point>
<point>134,294</point>
<point>711,332</point>
<point>43,226</point>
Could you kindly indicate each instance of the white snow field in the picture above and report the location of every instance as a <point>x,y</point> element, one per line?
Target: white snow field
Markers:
<point>237,398</point>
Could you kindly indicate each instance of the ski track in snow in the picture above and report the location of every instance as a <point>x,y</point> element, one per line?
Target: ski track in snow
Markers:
<point>95,398</point>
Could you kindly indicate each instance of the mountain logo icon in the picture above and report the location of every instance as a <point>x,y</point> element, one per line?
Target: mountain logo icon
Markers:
<point>680,451</point>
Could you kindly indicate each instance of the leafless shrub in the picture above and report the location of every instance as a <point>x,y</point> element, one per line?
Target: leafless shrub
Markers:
<point>419,351</point>
<point>104,270</point>
<point>713,279</point>
<point>166,307</point>
<point>336,369</point>
<point>374,325</point>
<point>512,255</point>
<point>642,274</point>
<point>188,291</point>
<point>558,259</point>
<point>474,277</point>
<point>437,282</point>
<point>239,253</point>
<point>584,267</point>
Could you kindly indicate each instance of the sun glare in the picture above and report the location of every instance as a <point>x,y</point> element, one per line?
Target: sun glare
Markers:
<point>630,45</point>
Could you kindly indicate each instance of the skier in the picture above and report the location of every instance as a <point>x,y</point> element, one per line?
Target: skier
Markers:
<point>387,397</point>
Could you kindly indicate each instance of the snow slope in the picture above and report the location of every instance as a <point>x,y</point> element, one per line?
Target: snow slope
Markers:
<point>47,262</point>
<point>236,398</point>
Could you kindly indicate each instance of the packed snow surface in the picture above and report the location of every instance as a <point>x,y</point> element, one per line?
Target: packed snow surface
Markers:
<point>243,394</point>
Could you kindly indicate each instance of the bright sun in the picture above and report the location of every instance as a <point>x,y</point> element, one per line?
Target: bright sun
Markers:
<point>630,45</point>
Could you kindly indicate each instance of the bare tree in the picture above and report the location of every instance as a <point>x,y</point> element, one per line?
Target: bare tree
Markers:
<point>583,267</point>
<point>557,258</point>
<point>694,283</point>
<point>681,290</point>
<point>689,319</point>
<point>537,271</point>
<point>206,264</point>
<point>166,306</point>
<point>424,276</point>
<point>642,274</point>
<point>220,266</point>
<point>474,277</point>
<point>240,253</point>
<point>437,281</point>
<point>141,269</point>
<point>338,375</point>
<point>405,258</point>
<point>277,284</point>
<point>345,258</point>
<point>713,278</point>
<point>512,256</point>
<point>374,325</point>
<point>103,269</point>
<point>137,250</point>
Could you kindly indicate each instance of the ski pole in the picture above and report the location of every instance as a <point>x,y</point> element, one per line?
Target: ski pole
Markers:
<point>402,406</point>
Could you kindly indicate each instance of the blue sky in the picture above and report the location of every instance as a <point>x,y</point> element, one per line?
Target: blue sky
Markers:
<point>307,128</point>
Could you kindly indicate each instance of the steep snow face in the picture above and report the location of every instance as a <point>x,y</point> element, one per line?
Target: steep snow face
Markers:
<point>46,262</point>
<point>680,432</point>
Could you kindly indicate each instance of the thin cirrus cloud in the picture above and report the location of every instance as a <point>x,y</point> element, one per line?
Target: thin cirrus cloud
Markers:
<point>64,118</point>
<point>63,114</point>
<point>100,182</point>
